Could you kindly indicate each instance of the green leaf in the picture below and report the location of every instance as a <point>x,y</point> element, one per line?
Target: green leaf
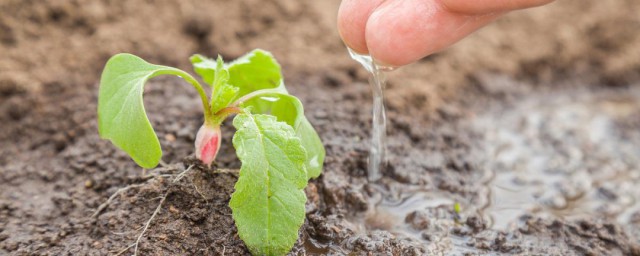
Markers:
<point>287,108</point>
<point>268,203</point>
<point>223,96</point>
<point>223,92</point>
<point>204,67</point>
<point>221,74</point>
<point>121,115</point>
<point>217,75</point>
<point>257,70</point>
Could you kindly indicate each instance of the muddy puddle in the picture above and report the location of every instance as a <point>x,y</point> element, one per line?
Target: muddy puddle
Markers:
<point>562,154</point>
<point>553,155</point>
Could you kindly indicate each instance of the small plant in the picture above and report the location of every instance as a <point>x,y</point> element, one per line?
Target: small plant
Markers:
<point>279,149</point>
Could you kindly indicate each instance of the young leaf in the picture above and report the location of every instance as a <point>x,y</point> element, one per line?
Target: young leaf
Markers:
<point>217,75</point>
<point>222,97</point>
<point>257,70</point>
<point>287,108</point>
<point>204,67</point>
<point>121,115</point>
<point>268,203</point>
<point>221,74</point>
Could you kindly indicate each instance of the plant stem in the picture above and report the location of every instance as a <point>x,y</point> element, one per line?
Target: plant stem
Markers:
<point>208,116</point>
<point>228,111</point>
<point>203,97</point>
<point>224,113</point>
<point>248,96</point>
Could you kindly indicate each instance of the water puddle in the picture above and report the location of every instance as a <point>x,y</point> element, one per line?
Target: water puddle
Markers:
<point>390,212</point>
<point>562,155</point>
<point>377,80</point>
<point>414,215</point>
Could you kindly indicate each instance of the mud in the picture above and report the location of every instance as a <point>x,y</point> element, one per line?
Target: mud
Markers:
<point>531,125</point>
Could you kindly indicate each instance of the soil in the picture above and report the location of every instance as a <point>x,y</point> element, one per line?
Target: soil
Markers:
<point>531,125</point>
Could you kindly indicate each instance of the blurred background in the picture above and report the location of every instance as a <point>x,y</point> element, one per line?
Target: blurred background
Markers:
<point>533,119</point>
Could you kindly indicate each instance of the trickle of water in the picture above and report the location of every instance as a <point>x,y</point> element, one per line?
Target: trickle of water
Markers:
<point>377,80</point>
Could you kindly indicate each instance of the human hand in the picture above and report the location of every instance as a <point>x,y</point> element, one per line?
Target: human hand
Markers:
<point>399,32</point>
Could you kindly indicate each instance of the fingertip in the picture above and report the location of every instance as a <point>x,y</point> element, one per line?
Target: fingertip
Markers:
<point>352,20</point>
<point>394,31</point>
<point>348,26</point>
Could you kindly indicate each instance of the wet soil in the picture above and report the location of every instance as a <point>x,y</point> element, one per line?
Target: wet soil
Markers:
<point>532,125</point>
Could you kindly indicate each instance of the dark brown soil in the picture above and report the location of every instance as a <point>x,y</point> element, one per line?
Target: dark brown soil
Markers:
<point>531,125</point>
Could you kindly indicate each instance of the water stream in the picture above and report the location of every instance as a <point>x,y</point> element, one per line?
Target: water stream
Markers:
<point>377,80</point>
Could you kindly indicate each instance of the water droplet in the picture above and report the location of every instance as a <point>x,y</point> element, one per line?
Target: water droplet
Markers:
<point>271,99</point>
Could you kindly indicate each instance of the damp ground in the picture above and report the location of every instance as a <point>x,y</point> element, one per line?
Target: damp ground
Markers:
<point>532,125</point>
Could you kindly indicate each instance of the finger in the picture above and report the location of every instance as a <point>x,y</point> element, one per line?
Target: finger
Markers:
<point>489,6</point>
<point>352,20</point>
<point>400,32</point>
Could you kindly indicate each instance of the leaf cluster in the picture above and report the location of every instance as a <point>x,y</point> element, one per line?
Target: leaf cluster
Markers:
<point>279,149</point>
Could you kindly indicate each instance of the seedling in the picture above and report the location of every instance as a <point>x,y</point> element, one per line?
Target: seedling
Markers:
<point>279,149</point>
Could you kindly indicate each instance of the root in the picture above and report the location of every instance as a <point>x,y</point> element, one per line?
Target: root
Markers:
<point>144,230</point>
<point>149,177</point>
<point>148,223</point>
<point>182,174</point>
<point>124,250</point>
<point>200,193</point>
<point>146,226</point>
<point>112,197</point>
<point>145,177</point>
